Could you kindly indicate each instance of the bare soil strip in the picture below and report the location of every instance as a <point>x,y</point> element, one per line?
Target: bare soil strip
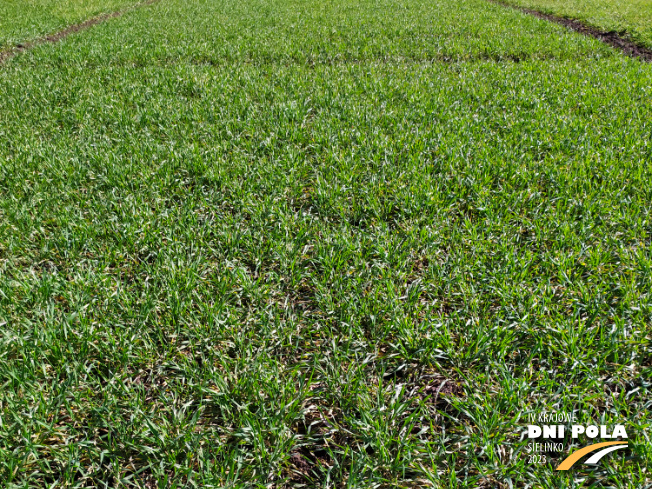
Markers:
<point>62,34</point>
<point>613,38</point>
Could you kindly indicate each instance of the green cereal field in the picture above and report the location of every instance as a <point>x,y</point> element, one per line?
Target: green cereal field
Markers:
<point>322,244</point>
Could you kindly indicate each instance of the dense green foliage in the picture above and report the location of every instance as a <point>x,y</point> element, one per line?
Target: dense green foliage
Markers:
<point>236,234</point>
<point>631,17</point>
<point>26,19</point>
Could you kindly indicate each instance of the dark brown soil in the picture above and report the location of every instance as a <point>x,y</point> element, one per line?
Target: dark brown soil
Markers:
<point>299,463</point>
<point>307,466</point>
<point>62,34</point>
<point>435,390</point>
<point>612,38</point>
<point>443,386</point>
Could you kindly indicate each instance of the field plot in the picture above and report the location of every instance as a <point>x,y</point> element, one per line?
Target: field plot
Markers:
<point>633,18</point>
<point>21,20</point>
<point>337,244</point>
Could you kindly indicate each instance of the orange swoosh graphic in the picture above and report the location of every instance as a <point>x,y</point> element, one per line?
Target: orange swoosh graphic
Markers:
<point>575,456</point>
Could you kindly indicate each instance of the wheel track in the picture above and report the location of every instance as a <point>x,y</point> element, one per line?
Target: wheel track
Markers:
<point>55,37</point>
<point>614,39</point>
